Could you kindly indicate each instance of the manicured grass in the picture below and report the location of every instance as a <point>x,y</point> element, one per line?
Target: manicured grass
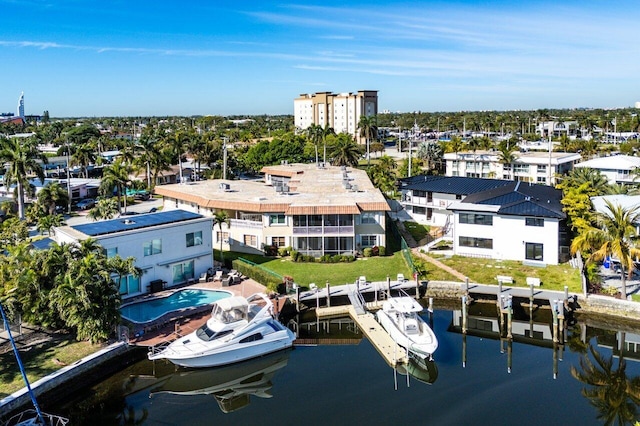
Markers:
<point>39,361</point>
<point>484,271</point>
<point>417,231</point>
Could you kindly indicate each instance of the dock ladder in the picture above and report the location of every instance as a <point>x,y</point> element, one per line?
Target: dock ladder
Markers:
<point>356,300</point>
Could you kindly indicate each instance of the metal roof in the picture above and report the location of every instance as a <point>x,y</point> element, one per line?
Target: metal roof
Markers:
<point>521,199</point>
<point>140,221</point>
<point>458,185</point>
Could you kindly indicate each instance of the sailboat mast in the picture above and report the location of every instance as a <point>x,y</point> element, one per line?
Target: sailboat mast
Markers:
<point>24,374</point>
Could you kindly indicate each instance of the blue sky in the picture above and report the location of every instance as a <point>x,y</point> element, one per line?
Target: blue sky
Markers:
<point>139,57</point>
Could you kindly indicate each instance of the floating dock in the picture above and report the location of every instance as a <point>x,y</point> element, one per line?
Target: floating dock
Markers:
<point>392,353</point>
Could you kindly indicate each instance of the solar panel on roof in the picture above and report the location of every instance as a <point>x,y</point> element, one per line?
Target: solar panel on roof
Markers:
<point>135,222</point>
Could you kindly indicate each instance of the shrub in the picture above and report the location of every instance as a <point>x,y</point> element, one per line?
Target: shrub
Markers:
<point>284,251</point>
<point>374,251</point>
<point>367,252</point>
<point>270,250</point>
<point>382,251</point>
<point>295,255</point>
<point>257,274</point>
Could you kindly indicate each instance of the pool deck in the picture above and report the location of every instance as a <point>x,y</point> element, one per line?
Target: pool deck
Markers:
<point>189,323</point>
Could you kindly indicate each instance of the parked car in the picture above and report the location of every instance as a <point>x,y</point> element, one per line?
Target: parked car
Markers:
<point>85,204</point>
<point>144,196</point>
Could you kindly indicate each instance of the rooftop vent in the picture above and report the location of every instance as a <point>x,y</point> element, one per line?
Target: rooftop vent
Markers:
<point>225,187</point>
<point>128,222</point>
<point>284,162</point>
<point>354,188</point>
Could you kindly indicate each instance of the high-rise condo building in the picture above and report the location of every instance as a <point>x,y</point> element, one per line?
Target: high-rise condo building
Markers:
<point>21,106</point>
<point>342,111</point>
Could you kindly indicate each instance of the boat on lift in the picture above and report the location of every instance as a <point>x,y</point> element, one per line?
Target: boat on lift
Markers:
<point>239,328</point>
<point>399,317</point>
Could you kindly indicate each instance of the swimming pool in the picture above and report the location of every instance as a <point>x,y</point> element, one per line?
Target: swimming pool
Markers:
<point>148,310</point>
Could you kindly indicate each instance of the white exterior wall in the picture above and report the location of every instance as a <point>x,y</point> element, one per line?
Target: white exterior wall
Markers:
<point>303,113</point>
<point>438,205</point>
<point>174,248</point>
<point>510,235</point>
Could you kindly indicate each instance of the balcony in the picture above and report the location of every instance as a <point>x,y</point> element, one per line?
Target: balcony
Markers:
<point>320,230</point>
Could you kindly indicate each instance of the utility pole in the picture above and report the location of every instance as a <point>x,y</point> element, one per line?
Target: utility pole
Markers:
<point>224,158</point>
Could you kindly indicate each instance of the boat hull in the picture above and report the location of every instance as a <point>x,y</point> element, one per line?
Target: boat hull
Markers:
<point>423,345</point>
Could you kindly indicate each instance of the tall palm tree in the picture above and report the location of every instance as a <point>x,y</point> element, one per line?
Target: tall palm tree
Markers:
<point>326,131</point>
<point>116,176</point>
<point>368,131</point>
<point>431,153</point>
<point>507,156</point>
<point>24,159</point>
<point>315,134</point>
<point>52,195</point>
<point>612,237</point>
<point>220,218</point>
<point>344,151</point>
<point>83,156</point>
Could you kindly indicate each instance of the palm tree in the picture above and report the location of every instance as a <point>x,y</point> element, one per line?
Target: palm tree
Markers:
<point>83,156</point>
<point>431,153</point>
<point>47,223</point>
<point>315,135</point>
<point>345,152</point>
<point>612,237</point>
<point>221,218</point>
<point>326,131</point>
<point>105,208</point>
<point>52,195</point>
<point>23,159</point>
<point>507,156</point>
<point>369,131</point>
<point>615,396</point>
<point>116,176</point>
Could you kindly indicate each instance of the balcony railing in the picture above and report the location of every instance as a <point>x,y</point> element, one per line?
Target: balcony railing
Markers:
<point>320,230</point>
<point>250,224</point>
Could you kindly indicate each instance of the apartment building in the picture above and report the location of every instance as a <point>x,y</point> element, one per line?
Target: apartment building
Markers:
<point>315,210</point>
<point>341,111</point>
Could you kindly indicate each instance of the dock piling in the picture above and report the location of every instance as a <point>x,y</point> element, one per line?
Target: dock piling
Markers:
<point>328,295</point>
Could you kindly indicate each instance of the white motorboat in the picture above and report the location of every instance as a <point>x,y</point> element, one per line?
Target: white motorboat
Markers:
<point>238,329</point>
<point>399,317</point>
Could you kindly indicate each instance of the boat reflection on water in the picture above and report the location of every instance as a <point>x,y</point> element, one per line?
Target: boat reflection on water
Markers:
<point>423,370</point>
<point>232,385</point>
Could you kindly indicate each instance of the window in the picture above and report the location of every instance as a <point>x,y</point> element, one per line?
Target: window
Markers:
<point>419,210</point>
<point>152,247</point>
<point>110,252</point>
<point>194,239</point>
<point>485,243</point>
<point>534,221</point>
<point>129,285</point>
<point>369,240</point>
<point>276,219</point>
<point>222,236</point>
<point>277,241</point>
<point>542,179</point>
<point>368,218</point>
<point>534,251</point>
<point>521,168</point>
<point>251,240</point>
<point>476,219</point>
<point>542,168</point>
<point>299,220</point>
<point>183,272</point>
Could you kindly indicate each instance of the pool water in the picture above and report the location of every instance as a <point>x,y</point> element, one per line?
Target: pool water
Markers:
<point>149,310</point>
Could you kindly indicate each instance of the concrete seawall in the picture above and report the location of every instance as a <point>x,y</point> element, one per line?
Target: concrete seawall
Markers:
<point>21,398</point>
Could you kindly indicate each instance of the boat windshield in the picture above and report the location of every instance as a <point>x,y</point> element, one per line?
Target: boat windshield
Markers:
<point>206,334</point>
<point>227,316</point>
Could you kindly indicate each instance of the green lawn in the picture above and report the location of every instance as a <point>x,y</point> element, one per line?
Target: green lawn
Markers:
<point>39,361</point>
<point>417,231</point>
<point>484,271</point>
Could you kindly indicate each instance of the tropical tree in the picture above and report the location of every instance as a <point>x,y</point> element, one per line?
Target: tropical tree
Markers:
<point>83,156</point>
<point>507,156</point>
<point>612,236</point>
<point>610,391</point>
<point>116,176</point>
<point>24,159</point>
<point>52,195</point>
<point>382,174</point>
<point>105,208</point>
<point>314,133</point>
<point>431,153</point>
<point>368,131</point>
<point>344,151</point>
<point>48,222</point>
<point>220,218</point>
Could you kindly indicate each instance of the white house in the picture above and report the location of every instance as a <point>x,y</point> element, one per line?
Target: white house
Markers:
<point>531,166</point>
<point>519,221</point>
<point>170,247</point>
<point>616,168</point>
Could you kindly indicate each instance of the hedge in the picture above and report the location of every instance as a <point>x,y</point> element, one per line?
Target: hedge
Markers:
<point>257,274</point>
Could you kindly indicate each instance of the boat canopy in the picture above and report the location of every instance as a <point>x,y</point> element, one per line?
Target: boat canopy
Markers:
<point>234,302</point>
<point>230,310</point>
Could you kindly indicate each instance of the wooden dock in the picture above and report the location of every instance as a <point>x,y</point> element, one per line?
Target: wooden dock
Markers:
<point>392,353</point>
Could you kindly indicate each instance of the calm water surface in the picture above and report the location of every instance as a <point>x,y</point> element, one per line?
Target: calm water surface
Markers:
<point>351,384</point>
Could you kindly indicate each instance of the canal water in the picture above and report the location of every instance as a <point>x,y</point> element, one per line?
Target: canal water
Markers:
<point>339,378</point>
